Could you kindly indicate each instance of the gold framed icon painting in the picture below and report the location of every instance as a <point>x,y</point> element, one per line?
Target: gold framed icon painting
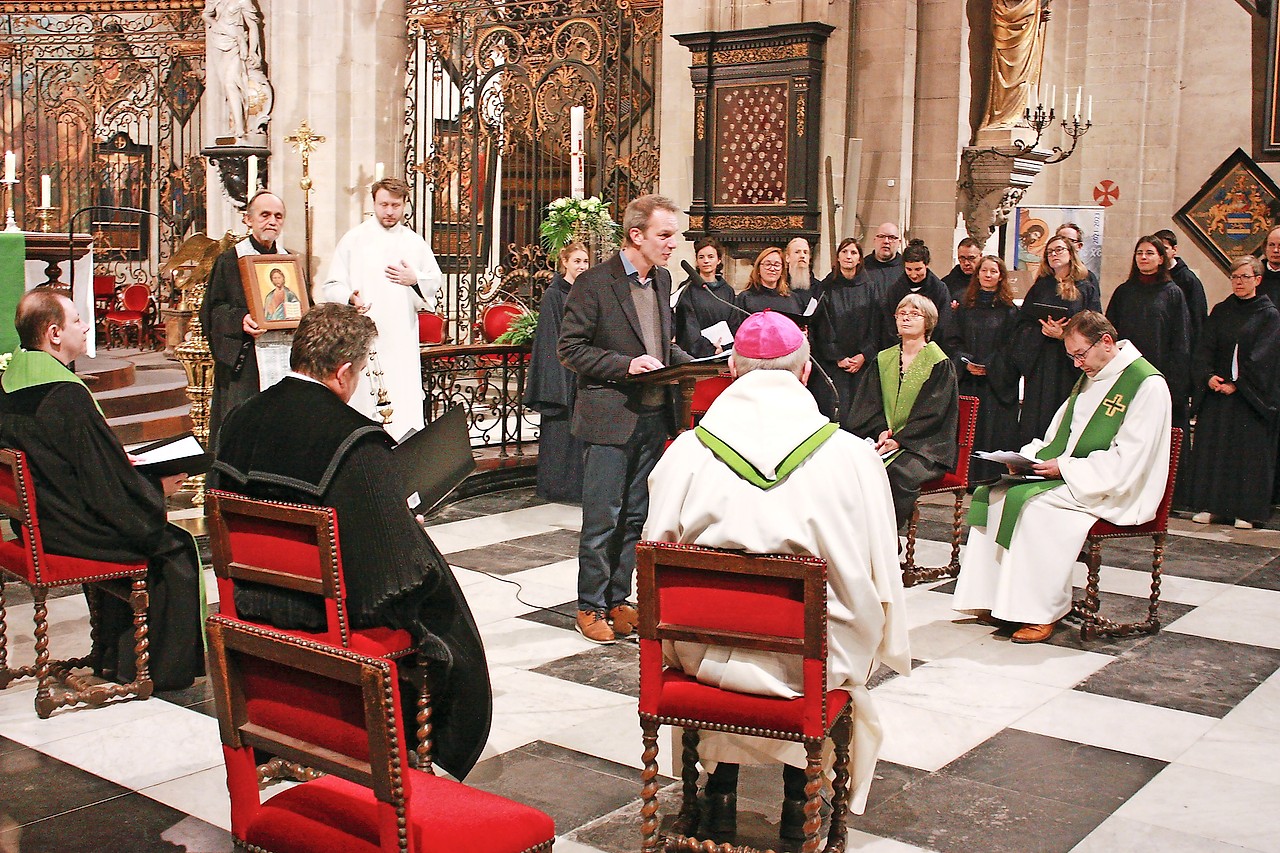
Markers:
<point>275,290</point>
<point>1231,214</point>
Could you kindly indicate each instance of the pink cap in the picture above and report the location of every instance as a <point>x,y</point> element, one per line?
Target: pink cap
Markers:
<point>767,334</point>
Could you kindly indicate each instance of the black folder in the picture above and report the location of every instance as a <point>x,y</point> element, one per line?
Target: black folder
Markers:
<point>435,460</point>
<point>191,464</point>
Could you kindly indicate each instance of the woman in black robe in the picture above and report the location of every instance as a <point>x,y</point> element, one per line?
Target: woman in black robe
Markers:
<point>908,406</point>
<point>916,277</point>
<point>845,331</point>
<point>550,387</point>
<point>705,300</point>
<point>1150,310</point>
<point>767,287</point>
<point>978,349</point>
<point>1237,404</point>
<point>1036,349</point>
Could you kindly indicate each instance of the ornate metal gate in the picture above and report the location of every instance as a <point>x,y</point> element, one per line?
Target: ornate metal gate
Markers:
<point>487,130</point>
<point>106,105</point>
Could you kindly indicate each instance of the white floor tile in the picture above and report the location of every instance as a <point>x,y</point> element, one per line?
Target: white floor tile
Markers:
<point>491,600</point>
<point>994,699</point>
<point>1116,834</point>
<point>1239,615</point>
<point>612,734</point>
<point>564,845</point>
<point>1118,724</point>
<point>927,739</point>
<point>1261,707</point>
<point>1238,749</point>
<point>522,644</point>
<point>1037,663</point>
<point>1211,805</point>
<point>487,530</point>
<point>941,638</point>
<point>203,795</point>
<point>531,705</point>
<point>18,720</point>
<point>1137,582</point>
<point>864,843</point>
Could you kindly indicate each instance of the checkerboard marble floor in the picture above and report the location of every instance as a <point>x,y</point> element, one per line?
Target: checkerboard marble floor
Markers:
<point>1165,743</point>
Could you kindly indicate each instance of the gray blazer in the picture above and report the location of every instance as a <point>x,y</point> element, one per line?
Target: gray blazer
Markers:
<point>599,337</point>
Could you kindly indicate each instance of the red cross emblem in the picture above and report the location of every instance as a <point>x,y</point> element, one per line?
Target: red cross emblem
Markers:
<point>1106,193</point>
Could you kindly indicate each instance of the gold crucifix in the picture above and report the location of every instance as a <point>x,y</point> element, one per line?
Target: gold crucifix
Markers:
<point>305,142</point>
<point>1114,403</point>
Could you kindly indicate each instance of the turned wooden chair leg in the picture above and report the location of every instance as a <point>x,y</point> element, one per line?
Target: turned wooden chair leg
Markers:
<point>424,732</point>
<point>649,787</point>
<point>1093,567</point>
<point>1157,562</point>
<point>841,734</point>
<point>44,678</point>
<point>909,562</point>
<point>957,529</point>
<point>686,822</point>
<point>140,600</point>
<point>813,795</point>
<point>5,675</point>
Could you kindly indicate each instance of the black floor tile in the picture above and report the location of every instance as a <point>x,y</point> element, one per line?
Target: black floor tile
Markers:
<point>37,786</point>
<point>562,542</point>
<point>557,616</point>
<point>1267,577</point>
<point>615,668</point>
<point>503,558</point>
<point>7,745</point>
<point>1121,608</point>
<point>1224,562</point>
<point>619,831</point>
<point>1185,672</point>
<point>131,822</point>
<point>501,501</point>
<point>187,697</point>
<point>572,787</point>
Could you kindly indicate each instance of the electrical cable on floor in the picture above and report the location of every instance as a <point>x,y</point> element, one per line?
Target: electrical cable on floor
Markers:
<point>519,589</point>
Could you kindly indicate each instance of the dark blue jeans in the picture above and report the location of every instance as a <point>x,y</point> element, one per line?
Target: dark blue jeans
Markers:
<point>615,502</point>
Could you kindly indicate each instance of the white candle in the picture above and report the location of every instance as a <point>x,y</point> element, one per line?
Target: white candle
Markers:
<point>1053,95</point>
<point>1035,96</point>
<point>1066,97</point>
<point>1079,90</point>
<point>377,172</point>
<point>46,191</point>
<point>10,166</point>
<point>253,176</point>
<point>1089,118</point>
<point>578,178</point>
<point>577,128</point>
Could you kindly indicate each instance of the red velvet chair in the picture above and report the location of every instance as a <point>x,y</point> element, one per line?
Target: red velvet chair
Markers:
<point>769,602</point>
<point>104,296</point>
<point>1092,624</point>
<point>955,482</point>
<point>134,313</point>
<point>25,557</point>
<point>430,328</point>
<point>497,318</point>
<point>294,546</point>
<point>705,392</point>
<point>338,711</point>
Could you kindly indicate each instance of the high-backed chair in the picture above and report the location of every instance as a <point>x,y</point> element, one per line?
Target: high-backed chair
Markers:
<point>104,297</point>
<point>705,392</point>
<point>26,558</point>
<point>1092,623</point>
<point>338,711</point>
<point>430,328</point>
<point>135,312</point>
<point>769,602</point>
<point>957,483</point>
<point>497,318</point>
<point>294,546</point>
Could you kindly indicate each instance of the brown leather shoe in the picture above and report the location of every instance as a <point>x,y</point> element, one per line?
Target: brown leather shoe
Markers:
<point>624,618</point>
<point>1034,633</point>
<point>593,626</point>
<point>984,617</point>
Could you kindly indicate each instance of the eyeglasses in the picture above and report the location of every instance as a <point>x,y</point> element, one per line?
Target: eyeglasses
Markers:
<point>892,238</point>
<point>1056,250</point>
<point>771,265</point>
<point>908,315</point>
<point>1078,357</point>
<point>1244,276</point>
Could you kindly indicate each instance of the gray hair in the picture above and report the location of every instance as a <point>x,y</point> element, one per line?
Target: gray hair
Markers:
<point>640,211</point>
<point>925,306</point>
<point>1253,262</point>
<point>793,362</point>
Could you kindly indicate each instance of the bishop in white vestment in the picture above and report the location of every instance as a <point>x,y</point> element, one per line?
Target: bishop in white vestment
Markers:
<point>836,505</point>
<point>1121,404</point>
<point>376,266</point>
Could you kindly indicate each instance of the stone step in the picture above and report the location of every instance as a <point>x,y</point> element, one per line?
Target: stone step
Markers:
<point>152,426</point>
<point>105,374</point>
<point>154,390</point>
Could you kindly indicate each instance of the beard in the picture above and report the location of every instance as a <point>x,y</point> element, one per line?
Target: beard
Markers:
<point>798,273</point>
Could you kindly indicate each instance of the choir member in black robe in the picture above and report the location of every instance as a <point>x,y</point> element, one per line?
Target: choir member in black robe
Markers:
<point>705,299</point>
<point>909,406</point>
<point>300,442</point>
<point>1231,466</point>
<point>93,504</point>
<point>1270,286</point>
<point>845,331</point>
<point>1036,349</point>
<point>884,264</point>
<point>968,254</point>
<point>767,287</point>
<point>799,260</point>
<point>1149,309</point>
<point>550,387</point>
<point>983,325</point>
<point>1189,283</point>
<point>916,278</point>
<point>225,317</point>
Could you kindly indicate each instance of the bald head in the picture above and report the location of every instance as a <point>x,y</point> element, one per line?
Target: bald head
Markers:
<point>886,241</point>
<point>264,214</point>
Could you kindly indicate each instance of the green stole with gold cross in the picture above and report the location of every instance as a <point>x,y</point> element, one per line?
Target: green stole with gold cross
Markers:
<point>1098,434</point>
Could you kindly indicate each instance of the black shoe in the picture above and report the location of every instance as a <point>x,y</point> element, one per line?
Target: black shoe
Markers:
<point>792,827</point>
<point>722,814</point>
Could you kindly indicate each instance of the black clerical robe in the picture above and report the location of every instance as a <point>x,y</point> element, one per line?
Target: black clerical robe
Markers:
<point>756,299</point>
<point>980,336</point>
<point>932,289</point>
<point>550,389</point>
<point>297,441</point>
<point>846,323</point>
<point>1231,466</point>
<point>928,439</point>
<point>235,365</point>
<point>1048,374</point>
<point>957,282</point>
<point>94,504</point>
<point>703,304</point>
<point>1193,293</point>
<point>1154,316</point>
<point>883,273</point>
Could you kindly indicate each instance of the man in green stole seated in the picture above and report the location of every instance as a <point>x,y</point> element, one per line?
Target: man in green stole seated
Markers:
<point>1105,456</point>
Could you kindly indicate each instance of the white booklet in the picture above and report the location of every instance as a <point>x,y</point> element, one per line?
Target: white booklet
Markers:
<point>1007,457</point>
<point>718,334</point>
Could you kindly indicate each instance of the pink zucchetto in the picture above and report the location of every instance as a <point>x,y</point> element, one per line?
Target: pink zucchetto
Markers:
<point>766,335</point>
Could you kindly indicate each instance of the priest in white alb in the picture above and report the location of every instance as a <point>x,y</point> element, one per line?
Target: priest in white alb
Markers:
<point>766,472</point>
<point>384,268</point>
<point>1105,456</point>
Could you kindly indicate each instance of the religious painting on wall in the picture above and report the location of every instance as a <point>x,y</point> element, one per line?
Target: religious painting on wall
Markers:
<point>461,198</point>
<point>122,172</point>
<point>1231,214</point>
<point>1033,225</point>
<point>274,289</point>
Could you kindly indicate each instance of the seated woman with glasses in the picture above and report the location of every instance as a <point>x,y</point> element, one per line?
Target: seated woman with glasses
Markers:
<point>1063,288</point>
<point>908,406</point>
<point>767,287</point>
<point>1236,400</point>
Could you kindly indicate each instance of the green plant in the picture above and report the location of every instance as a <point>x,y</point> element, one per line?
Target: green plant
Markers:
<point>521,330</point>
<point>570,219</point>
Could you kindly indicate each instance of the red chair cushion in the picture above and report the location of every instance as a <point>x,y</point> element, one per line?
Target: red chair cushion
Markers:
<point>57,570</point>
<point>1114,531</point>
<point>946,483</point>
<point>331,814</point>
<point>684,697</point>
<point>123,317</point>
<point>723,602</point>
<point>308,706</point>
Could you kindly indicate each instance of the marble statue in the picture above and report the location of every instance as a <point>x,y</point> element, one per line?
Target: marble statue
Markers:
<point>233,35</point>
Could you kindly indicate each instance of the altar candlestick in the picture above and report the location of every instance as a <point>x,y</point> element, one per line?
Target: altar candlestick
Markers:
<point>46,191</point>
<point>10,167</point>
<point>378,171</point>
<point>252,186</point>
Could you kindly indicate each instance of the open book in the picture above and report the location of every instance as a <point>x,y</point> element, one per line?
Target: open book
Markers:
<point>179,455</point>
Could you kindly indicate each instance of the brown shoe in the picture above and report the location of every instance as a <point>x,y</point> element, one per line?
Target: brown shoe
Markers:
<point>624,619</point>
<point>1034,633</point>
<point>984,617</point>
<point>593,626</point>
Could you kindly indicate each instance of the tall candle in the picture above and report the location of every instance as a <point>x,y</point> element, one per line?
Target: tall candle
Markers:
<point>577,128</point>
<point>1066,97</point>
<point>1079,90</point>
<point>10,166</point>
<point>46,191</point>
<point>1035,96</point>
<point>377,171</point>
<point>1089,118</point>
<point>253,176</point>
<point>1053,95</point>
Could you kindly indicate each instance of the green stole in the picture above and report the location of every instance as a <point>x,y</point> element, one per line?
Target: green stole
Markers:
<point>899,390</point>
<point>751,473</point>
<point>13,283</point>
<point>29,368</point>
<point>1098,434</point>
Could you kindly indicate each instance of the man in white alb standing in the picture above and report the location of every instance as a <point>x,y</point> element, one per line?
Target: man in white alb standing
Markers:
<point>388,270</point>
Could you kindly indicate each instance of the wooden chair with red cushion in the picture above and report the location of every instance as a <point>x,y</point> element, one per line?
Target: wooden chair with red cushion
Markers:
<point>765,602</point>
<point>430,328</point>
<point>104,296</point>
<point>26,558</point>
<point>1092,624</point>
<point>134,313</point>
<point>338,711</point>
<point>294,546</point>
<point>496,319</point>
<point>957,483</point>
<point>705,392</point>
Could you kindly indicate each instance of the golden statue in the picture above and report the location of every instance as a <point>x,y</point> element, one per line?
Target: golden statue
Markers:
<point>1016,57</point>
